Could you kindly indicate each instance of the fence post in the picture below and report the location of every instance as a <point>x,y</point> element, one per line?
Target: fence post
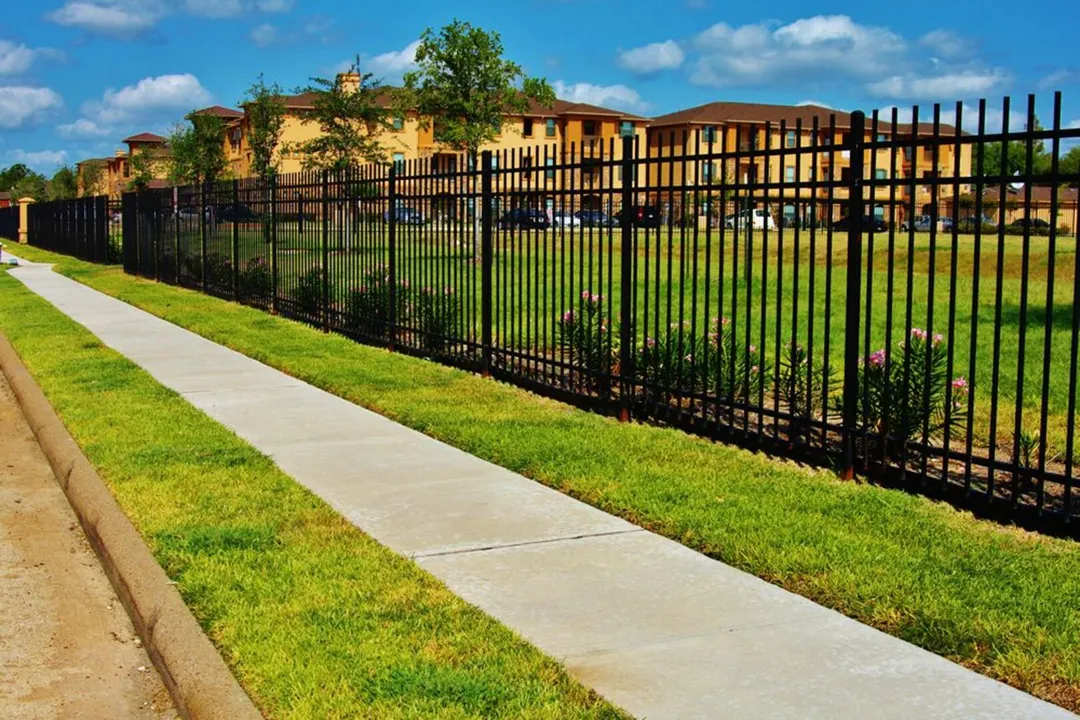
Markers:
<point>202,229</point>
<point>391,262</point>
<point>273,246</point>
<point>853,304</point>
<point>235,239</point>
<point>626,279</point>
<point>326,250</point>
<point>487,228</point>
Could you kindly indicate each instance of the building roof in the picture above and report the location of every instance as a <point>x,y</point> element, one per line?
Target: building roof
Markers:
<point>94,161</point>
<point>1040,194</point>
<point>719,113</point>
<point>4,195</point>
<point>145,137</point>
<point>220,111</point>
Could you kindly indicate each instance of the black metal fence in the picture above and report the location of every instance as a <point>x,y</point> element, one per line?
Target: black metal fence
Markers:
<point>87,228</point>
<point>9,223</point>
<point>847,290</point>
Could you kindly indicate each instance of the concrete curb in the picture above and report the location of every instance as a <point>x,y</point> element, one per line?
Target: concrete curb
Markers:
<point>201,685</point>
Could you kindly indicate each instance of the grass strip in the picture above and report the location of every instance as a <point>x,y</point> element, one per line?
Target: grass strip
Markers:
<point>315,618</point>
<point>999,600</point>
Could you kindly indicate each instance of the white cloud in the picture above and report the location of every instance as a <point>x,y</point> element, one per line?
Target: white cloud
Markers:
<point>394,64</point>
<point>123,18</point>
<point>21,106</point>
<point>947,44</point>
<point>83,128</point>
<point>263,35</point>
<point>615,96</point>
<point>966,83</point>
<point>215,8</point>
<point>15,59</point>
<point>1074,125</point>
<point>816,103</point>
<point>152,99</point>
<point>767,54</point>
<point>274,6</point>
<point>652,58</point>
<point>39,158</point>
<point>1058,78</point>
<point>969,121</point>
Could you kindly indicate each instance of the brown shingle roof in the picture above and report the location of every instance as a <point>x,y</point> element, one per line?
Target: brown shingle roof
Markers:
<point>1039,194</point>
<point>219,111</point>
<point>144,138</point>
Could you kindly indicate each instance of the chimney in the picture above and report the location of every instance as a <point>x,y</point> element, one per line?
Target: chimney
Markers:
<point>121,153</point>
<point>349,81</point>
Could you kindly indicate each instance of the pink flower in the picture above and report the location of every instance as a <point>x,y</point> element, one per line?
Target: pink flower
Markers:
<point>918,333</point>
<point>960,385</point>
<point>448,290</point>
<point>568,317</point>
<point>689,358</point>
<point>877,359</point>
<point>753,349</point>
<point>585,294</point>
<point>650,342</point>
<point>938,338</point>
<point>754,369</point>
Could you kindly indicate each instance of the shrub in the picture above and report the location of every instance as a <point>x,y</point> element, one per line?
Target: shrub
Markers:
<point>219,271</point>
<point>902,394</point>
<point>255,281</point>
<point>585,336</point>
<point>308,292</point>
<point>367,307</point>
<point>436,315</point>
<point>803,390</point>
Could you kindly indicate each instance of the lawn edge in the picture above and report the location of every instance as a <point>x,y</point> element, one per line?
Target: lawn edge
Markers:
<point>196,676</point>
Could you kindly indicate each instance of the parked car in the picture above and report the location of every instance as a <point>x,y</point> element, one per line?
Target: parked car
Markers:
<point>870,222</point>
<point>192,213</point>
<point>753,218</point>
<point>565,219</point>
<point>525,219</point>
<point>924,223</point>
<point>647,216</point>
<point>405,216</point>
<point>594,218</point>
<point>239,213</point>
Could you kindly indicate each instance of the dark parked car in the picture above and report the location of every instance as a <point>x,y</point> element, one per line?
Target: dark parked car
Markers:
<point>594,218</point>
<point>405,216</point>
<point>870,222</point>
<point>525,219</point>
<point>646,216</point>
<point>239,213</point>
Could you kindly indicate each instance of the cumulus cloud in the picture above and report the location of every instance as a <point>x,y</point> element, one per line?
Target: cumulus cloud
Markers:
<point>969,121</point>
<point>39,158</point>
<point>263,35</point>
<point>21,106</point>
<point>15,59</point>
<point>121,18</point>
<point>274,6</point>
<point>215,8</point>
<point>615,96</point>
<point>652,58</point>
<point>151,100</point>
<point>395,63</point>
<point>947,44</point>
<point>82,128</point>
<point>1058,78</point>
<point>965,83</point>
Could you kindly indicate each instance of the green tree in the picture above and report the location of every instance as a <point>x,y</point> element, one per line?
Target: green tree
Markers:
<point>265,109</point>
<point>142,170</point>
<point>350,116</point>
<point>64,184</point>
<point>91,175</point>
<point>197,150</point>
<point>33,185</point>
<point>465,87</point>
<point>13,175</point>
<point>1014,159</point>
<point>1069,163</point>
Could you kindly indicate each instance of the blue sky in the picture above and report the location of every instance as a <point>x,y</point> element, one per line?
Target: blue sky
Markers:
<point>77,76</point>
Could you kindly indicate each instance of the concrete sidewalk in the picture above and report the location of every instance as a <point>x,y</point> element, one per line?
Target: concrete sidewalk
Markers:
<point>660,630</point>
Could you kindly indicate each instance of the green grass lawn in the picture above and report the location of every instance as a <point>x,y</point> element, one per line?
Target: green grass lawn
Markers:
<point>539,275</point>
<point>998,600</point>
<point>315,618</point>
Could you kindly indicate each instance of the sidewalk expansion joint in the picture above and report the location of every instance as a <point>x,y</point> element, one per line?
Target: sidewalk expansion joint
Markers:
<point>503,546</point>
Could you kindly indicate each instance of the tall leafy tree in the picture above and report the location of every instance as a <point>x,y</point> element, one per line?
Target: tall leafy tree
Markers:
<point>465,86</point>
<point>64,184</point>
<point>10,177</point>
<point>91,176</point>
<point>197,150</point>
<point>1014,160</point>
<point>143,170</point>
<point>351,115</point>
<point>265,109</point>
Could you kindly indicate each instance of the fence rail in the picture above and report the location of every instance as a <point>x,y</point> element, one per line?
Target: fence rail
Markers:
<point>9,222</point>
<point>87,228</point>
<point>861,294</point>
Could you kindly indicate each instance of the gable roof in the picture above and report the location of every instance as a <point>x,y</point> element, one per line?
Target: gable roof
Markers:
<point>220,111</point>
<point>145,137</point>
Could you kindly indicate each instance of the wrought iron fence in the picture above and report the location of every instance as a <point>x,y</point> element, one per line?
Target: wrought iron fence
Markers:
<point>849,290</point>
<point>9,222</point>
<point>87,228</point>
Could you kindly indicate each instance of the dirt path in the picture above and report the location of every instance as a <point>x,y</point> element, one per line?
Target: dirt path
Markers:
<point>67,648</point>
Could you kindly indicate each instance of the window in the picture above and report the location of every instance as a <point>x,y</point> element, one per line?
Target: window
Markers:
<point>549,128</point>
<point>633,173</point>
<point>550,172</point>
<point>588,128</point>
<point>127,170</point>
<point>907,154</point>
<point>881,137</point>
<point>879,174</point>
<point>789,141</point>
<point>626,128</point>
<point>709,135</point>
<point>789,174</point>
<point>528,130</point>
<point>494,161</point>
<point>399,123</point>
<point>707,171</point>
<point>399,161</point>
